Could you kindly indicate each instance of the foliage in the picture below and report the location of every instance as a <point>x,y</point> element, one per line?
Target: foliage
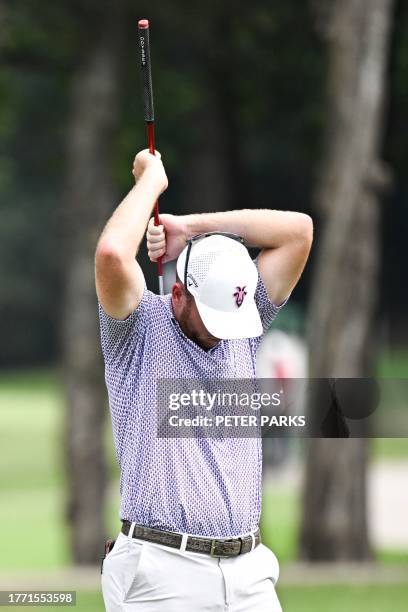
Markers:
<point>262,68</point>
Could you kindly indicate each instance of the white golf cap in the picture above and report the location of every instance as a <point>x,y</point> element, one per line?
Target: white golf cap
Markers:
<point>222,278</point>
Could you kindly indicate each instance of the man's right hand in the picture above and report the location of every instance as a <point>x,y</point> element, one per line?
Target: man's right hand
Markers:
<point>146,162</point>
<point>167,239</point>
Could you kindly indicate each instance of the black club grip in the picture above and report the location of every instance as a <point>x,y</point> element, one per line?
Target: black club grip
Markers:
<point>145,65</point>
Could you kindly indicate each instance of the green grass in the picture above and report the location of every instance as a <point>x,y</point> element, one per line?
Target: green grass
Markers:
<point>338,598</point>
<point>88,602</point>
<point>393,364</point>
<point>279,523</point>
<point>389,448</point>
<point>33,532</point>
<point>393,556</point>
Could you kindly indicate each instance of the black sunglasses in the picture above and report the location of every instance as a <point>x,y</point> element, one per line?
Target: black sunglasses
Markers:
<point>198,237</point>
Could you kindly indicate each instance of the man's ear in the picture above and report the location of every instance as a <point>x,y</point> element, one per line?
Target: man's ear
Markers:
<point>177,292</point>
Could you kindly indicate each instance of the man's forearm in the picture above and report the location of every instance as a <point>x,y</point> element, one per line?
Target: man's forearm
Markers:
<point>259,228</point>
<point>126,227</point>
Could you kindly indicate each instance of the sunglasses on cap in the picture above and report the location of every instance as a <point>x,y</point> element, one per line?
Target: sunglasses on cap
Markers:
<point>199,237</point>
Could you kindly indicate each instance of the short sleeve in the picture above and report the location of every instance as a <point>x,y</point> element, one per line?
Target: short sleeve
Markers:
<point>267,309</point>
<point>121,338</point>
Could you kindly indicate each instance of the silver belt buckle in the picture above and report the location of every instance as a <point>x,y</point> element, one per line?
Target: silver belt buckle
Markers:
<point>212,551</point>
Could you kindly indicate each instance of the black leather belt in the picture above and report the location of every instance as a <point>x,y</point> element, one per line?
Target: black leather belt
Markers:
<point>231,547</point>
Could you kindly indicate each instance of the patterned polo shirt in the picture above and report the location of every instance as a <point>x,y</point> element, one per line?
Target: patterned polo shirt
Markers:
<point>199,485</point>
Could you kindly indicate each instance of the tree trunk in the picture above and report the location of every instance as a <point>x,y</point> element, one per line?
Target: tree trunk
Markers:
<point>344,292</point>
<point>89,200</point>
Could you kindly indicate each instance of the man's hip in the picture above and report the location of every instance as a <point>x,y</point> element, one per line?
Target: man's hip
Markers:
<point>142,575</point>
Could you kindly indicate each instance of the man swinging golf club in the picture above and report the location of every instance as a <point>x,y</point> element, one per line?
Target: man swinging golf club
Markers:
<point>190,507</point>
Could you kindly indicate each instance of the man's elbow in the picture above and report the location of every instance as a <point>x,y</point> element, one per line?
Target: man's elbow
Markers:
<point>300,231</point>
<point>305,229</point>
<point>109,254</point>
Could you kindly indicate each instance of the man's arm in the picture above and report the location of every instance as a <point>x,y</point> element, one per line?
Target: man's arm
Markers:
<point>119,278</point>
<point>284,238</point>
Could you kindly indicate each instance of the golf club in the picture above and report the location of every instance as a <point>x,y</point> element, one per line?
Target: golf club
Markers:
<point>145,65</point>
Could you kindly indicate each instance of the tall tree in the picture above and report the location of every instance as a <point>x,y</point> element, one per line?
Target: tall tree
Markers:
<point>344,291</point>
<point>89,199</point>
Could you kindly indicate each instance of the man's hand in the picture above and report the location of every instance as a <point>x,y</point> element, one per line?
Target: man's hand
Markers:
<point>152,164</point>
<point>119,278</point>
<point>167,239</point>
<point>284,238</point>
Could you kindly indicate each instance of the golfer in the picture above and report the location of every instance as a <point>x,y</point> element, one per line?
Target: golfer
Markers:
<point>190,507</point>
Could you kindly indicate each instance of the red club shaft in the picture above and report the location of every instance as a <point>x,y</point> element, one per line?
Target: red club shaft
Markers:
<point>150,139</point>
<point>145,65</point>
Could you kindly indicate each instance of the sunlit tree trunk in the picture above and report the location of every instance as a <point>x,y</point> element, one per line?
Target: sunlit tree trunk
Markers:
<point>344,291</point>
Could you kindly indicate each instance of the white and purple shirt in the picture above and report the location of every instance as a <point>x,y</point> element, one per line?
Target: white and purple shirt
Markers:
<point>201,486</point>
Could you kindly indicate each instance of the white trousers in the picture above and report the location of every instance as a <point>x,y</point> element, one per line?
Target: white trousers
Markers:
<point>139,576</point>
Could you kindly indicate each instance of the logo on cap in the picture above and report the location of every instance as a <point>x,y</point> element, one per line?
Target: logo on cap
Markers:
<point>191,280</point>
<point>239,295</point>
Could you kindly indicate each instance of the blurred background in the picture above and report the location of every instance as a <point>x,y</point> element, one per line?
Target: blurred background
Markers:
<point>290,105</point>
